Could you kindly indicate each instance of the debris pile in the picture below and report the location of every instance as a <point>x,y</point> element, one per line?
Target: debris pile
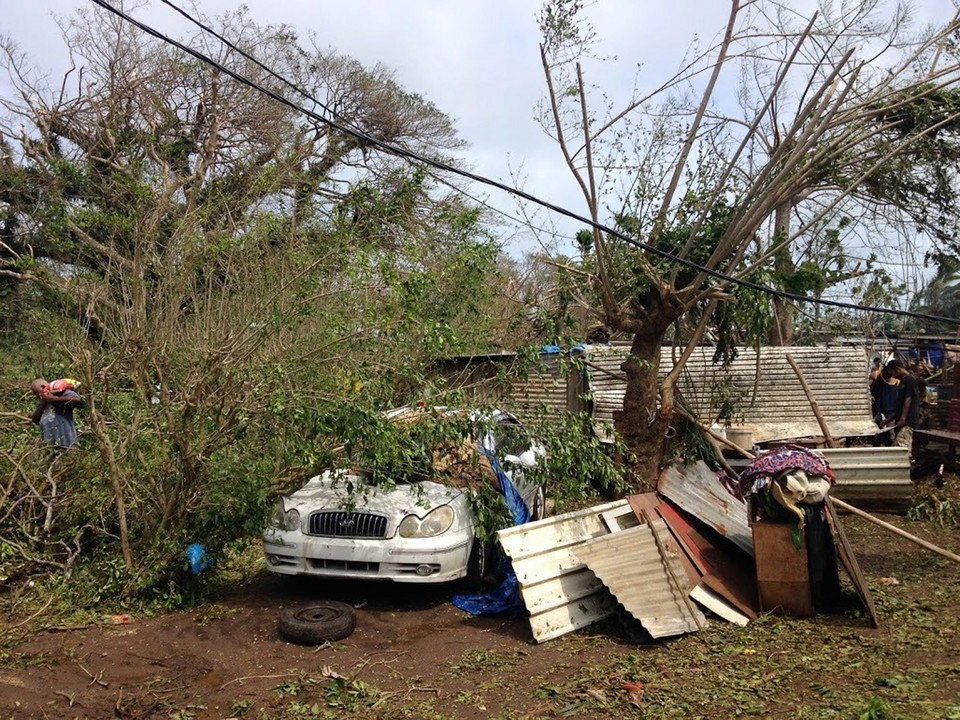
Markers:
<point>700,546</point>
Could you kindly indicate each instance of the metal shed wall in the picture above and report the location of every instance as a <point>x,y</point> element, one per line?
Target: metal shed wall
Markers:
<point>547,387</point>
<point>777,409</point>
<point>874,478</point>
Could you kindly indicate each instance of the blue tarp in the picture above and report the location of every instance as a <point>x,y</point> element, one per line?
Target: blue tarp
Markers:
<point>506,598</point>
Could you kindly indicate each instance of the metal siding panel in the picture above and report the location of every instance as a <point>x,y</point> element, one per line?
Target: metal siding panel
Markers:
<point>630,565</point>
<point>875,477</point>
<point>560,592</point>
<point>837,376</point>
<point>572,616</point>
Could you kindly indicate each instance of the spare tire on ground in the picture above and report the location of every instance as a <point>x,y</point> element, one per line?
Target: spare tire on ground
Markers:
<point>317,622</point>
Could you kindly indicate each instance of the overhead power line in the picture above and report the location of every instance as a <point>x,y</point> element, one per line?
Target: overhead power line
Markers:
<point>357,130</point>
<point>400,151</point>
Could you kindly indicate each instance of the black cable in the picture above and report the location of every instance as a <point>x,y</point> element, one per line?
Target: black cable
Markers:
<point>337,116</point>
<point>415,157</point>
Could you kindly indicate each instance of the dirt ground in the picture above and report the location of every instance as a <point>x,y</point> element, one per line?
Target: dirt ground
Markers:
<point>414,655</point>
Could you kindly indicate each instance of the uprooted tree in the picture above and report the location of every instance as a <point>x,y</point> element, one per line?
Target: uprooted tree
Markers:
<point>843,113</point>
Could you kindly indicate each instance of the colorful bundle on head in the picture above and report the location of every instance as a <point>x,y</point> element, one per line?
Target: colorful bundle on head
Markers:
<point>58,386</point>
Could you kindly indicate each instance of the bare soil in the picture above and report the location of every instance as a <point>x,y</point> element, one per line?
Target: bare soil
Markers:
<point>414,655</point>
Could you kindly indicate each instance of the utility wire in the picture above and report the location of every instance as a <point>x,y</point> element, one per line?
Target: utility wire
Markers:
<point>358,131</point>
<point>444,167</point>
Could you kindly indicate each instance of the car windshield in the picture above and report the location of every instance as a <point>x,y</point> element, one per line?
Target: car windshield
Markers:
<point>511,438</point>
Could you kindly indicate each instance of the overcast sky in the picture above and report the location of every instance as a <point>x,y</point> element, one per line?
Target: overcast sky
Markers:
<point>477,60</point>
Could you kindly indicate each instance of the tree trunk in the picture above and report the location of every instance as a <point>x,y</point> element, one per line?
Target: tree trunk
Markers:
<point>782,325</point>
<point>641,423</point>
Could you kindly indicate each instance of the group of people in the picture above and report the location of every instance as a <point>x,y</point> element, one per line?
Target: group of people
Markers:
<point>895,393</point>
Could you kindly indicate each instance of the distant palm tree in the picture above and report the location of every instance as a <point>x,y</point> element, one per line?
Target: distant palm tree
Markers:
<point>941,295</point>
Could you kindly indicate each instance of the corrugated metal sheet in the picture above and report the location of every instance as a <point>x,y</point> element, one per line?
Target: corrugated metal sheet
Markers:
<point>696,489</point>
<point>631,567</point>
<point>779,408</point>
<point>874,477</point>
<point>546,387</point>
<point>560,592</point>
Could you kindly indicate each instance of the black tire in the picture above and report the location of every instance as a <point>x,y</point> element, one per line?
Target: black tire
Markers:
<point>317,622</point>
<point>477,565</point>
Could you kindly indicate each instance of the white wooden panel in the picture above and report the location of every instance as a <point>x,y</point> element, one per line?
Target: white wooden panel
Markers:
<point>560,593</point>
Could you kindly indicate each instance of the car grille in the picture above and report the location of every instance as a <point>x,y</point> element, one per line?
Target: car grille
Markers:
<point>342,524</point>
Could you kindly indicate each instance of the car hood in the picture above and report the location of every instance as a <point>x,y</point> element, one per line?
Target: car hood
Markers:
<point>330,491</point>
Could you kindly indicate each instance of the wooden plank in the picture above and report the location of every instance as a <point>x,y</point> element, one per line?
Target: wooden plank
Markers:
<point>943,435</point>
<point>850,564</point>
<point>680,527</point>
<point>644,502</point>
<point>737,585</point>
<point>726,571</point>
<point>783,575</point>
<point>713,602</point>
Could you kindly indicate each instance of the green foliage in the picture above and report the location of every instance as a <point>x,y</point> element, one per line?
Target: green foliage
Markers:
<point>876,709</point>
<point>234,323</point>
<point>578,467</point>
<point>349,695</point>
<point>744,320</point>
<point>630,277</point>
<point>941,294</point>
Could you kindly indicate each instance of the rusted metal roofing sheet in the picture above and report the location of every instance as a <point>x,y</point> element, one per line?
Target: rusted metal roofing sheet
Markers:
<point>768,396</point>
<point>696,489</point>
<point>546,387</point>
<point>630,565</point>
<point>560,592</point>
<point>877,478</point>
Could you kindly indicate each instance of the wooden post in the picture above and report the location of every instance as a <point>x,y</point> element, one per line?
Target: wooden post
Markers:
<point>894,529</point>
<point>831,441</point>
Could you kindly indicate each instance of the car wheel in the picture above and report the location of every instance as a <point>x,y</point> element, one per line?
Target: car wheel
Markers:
<point>477,564</point>
<point>538,509</point>
<point>317,622</point>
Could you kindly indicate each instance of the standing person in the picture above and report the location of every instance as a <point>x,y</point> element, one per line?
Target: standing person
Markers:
<point>908,403</point>
<point>876,370</point>
<point>885,396</point>
<point>54,414</point>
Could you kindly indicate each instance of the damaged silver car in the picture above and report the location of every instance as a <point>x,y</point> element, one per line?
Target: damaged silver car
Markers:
<point>340,525</point>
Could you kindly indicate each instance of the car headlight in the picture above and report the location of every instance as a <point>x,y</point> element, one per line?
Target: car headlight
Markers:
<point>284,519</point>
<point>435,523</point>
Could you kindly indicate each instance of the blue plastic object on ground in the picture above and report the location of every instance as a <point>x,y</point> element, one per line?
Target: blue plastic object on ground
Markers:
<point>505,600</point>
<point>198,559</point>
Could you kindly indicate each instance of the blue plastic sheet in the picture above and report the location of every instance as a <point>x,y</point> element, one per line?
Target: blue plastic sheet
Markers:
<point>504,600</point>
<point>518,508</point>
